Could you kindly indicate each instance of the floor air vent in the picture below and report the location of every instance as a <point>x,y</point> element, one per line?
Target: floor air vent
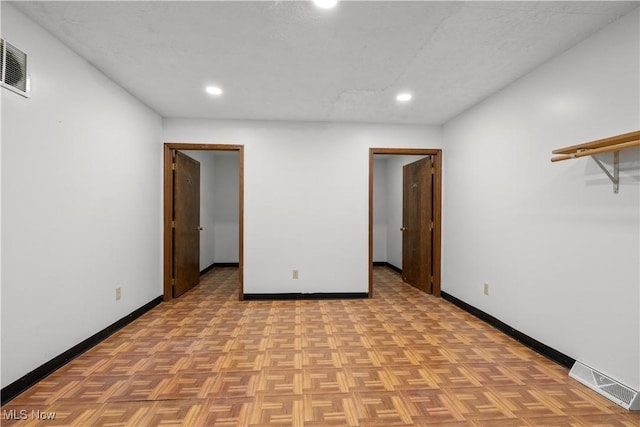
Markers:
<point>14,69</point>
<point>611,389</point>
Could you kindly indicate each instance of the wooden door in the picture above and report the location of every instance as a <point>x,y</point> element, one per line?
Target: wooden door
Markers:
<point>186,221</point>
<point>417,224</point>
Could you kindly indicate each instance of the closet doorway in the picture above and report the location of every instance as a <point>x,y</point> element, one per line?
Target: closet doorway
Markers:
<point>419,228</point>
<point>169,225</point>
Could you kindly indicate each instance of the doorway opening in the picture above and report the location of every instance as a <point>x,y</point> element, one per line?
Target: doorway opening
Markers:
<point>169,244</point>
<point>434,193</point>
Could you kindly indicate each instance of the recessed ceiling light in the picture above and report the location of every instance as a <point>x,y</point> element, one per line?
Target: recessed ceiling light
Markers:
<point>404,97</point>
<point>214,90</point>
<point>325,4</point>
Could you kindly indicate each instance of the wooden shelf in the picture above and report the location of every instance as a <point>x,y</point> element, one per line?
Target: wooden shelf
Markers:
<point>607,145</point>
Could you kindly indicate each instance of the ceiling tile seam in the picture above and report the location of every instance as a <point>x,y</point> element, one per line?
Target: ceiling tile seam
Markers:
<point>424,45</point>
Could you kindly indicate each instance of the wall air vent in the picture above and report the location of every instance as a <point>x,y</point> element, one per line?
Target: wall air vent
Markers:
<point>14,69</point>
<point>611,389</point>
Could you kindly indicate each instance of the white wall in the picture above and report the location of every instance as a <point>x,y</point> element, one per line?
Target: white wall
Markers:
<point>306,197</point>
<point>559,250</point>
<point>227,196</point>
<point>380,208</point>
<point>81,205</point>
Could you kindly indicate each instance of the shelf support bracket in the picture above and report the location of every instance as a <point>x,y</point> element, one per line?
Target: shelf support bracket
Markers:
<point>615,178</point>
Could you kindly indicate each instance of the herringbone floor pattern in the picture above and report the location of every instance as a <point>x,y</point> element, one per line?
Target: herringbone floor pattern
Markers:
<point>402,358</point>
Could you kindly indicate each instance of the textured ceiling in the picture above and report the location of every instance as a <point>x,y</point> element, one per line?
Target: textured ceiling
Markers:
<point>289,60</point>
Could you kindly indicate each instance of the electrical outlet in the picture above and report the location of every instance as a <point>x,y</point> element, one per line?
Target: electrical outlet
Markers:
<point>486,289</point>
<point>294,274</point>
<point>118,293</point>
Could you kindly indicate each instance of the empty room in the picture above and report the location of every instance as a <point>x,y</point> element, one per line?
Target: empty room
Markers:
<point>320,213</point>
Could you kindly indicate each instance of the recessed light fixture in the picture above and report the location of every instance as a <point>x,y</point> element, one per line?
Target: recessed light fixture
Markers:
<point>325,4</point>
<point>404,97</point>
<point>213,90</point>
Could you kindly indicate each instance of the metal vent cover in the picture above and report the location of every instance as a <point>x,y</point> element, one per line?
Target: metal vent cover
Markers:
<point>14,69</point>
<point>609,388</point>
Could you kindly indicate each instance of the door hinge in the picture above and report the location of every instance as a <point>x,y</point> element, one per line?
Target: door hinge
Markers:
<point>433,170</point>
<point>432,280</point>
<point>173,166</point>
<point>173,281</point>
<point>173,224</point>
<point>431,225</point>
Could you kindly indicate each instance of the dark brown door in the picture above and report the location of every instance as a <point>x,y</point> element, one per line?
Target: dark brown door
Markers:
<point>417,217</point>
<point>186,217</point>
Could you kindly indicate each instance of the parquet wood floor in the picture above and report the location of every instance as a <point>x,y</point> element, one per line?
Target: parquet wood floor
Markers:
<point>402,358</point>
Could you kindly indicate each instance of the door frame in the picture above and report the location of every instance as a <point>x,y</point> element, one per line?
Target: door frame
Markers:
<point>437,208</point>
<point>168,204</point>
